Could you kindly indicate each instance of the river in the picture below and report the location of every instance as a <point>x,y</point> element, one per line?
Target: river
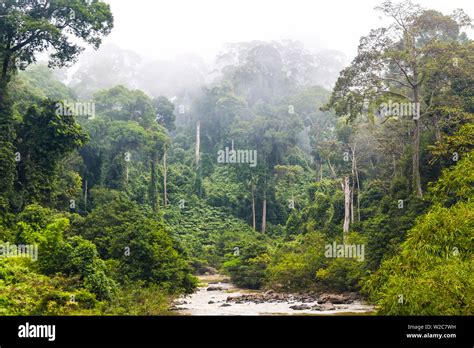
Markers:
<point>217,296</point>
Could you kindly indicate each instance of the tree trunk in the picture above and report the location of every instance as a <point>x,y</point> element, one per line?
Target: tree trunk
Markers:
<point>352,202</point>
<point>358,192</point>
<point>416,160</point>
<point>347,206</point>
<point>353,185</point>
<point>416,146</point>
<point>198,142</point>
<point>165,179</point>
<point>416,132</point>
<point>355,175</point>
<point>264,213</point>
<point>253,210</point>
<point>153,189</point>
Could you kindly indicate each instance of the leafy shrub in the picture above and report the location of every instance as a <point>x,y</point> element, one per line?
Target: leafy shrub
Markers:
<point>247,268</point>
<point>140,299</point>
<point>70,256</point>
<point>294,265</point>
<point>25,292</point>
<point>141,247</point>
<point>433,272</point>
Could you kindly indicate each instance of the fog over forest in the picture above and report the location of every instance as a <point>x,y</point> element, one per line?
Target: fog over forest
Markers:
<point>250,157</point>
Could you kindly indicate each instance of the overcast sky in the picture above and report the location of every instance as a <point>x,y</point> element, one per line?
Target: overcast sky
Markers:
<point>166,28</point>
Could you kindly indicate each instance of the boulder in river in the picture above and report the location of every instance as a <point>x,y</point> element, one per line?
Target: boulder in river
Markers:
<point>335,298</point>
<point>215,288</point>
<point>300,307</point>
<point>328,306</point>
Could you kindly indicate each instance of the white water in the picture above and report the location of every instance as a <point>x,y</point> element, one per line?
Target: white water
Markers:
<point>198,303</point>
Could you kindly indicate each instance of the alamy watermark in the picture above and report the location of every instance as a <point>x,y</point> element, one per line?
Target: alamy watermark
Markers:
<point>237,156</point>
<point>349,251</point>
<point>78,109</point>
<point>400,109</point>
<point>21,250</point>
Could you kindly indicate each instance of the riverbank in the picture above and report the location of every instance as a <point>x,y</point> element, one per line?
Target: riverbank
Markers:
<point>217,296</point>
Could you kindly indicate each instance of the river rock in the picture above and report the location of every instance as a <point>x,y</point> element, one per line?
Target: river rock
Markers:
<point>225,305</point>
<point>215,288</point>
<point>211,302</point>
<point>300,307</point>
<point>334,298</point>
<point>328,306</point>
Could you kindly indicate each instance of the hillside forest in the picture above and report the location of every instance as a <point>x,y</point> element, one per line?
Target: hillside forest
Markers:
<point>281,168</point>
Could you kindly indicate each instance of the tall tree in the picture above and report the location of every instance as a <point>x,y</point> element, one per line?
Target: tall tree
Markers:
<point>394,62</point>
<point>31,27</point>
<point>43,139</point>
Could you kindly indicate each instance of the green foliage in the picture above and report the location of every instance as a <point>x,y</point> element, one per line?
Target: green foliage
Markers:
<point>223,189</point>
<point>44,138</point>
<point>303,264</point>
<point>294,264</point>
<point>207,234</point>
<point>165,112</point>
<point>123,248</point>
<point>323,212</point>
<point>247,264</point>
<point>73,256</point>
<point>455,184</point>
<point>433,271</point>
<point>141,247</point>
<point>41,79</point>
<point>346,274</point>
<point>29,30</point>
<point>139,299</point>
<point>386,221</point>
<point>25,292</point>
<point>121,104</point>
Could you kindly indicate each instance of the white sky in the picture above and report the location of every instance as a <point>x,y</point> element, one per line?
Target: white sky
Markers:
<point>166,28</point>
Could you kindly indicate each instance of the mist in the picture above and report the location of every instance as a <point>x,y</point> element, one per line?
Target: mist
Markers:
<point>174,48</point>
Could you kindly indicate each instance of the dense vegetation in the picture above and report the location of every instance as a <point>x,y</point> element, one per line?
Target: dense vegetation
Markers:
<point>128,196</point>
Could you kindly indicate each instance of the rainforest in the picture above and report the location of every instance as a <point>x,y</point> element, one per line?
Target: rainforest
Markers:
<point>272,176</point>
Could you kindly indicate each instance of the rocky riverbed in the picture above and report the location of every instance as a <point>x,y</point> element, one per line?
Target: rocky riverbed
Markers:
<point>217,296</point>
